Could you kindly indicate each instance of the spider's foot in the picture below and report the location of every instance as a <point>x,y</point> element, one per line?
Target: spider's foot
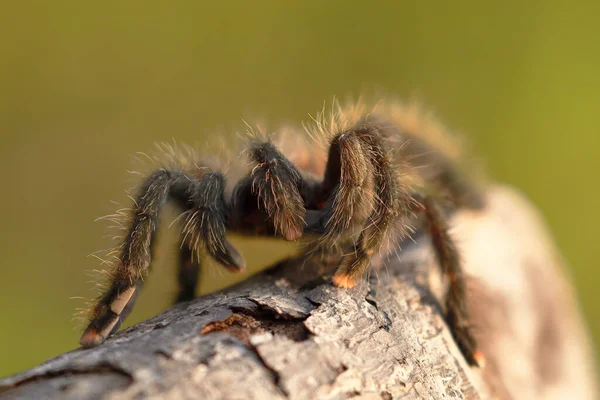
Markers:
<point>474,358</point>
<point>91,338</point>
<point>99,329</point>
<point>479,359</point>
<point>468,346</point>
<point>229,257</point>
<point>110,313</point>
<point>342,280</point>
<point>352,268</point>
<point>292,231</point>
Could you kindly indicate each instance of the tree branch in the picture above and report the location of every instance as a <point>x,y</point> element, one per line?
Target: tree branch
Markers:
<point>287,333</point>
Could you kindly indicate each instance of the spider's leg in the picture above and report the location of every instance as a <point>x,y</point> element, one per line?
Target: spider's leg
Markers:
<point>188,262</point>
<point>362,153</point>
<point>344,196</point>
<point>457,314</point>
<point>188,273</point>
<point>441,173</point>
<point>433,164</point>
<point>204,229</point>
<point>272,188</point>
<point>393,202</point>
<point>135,253</point>
<point>206,221</point>
<point>133,260</point>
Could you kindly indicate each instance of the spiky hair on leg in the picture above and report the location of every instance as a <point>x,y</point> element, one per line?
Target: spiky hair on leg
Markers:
<point>377,176</point>
<point>125,266</point>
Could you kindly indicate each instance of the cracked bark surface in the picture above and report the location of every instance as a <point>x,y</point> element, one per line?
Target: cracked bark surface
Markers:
<point>287,333</point>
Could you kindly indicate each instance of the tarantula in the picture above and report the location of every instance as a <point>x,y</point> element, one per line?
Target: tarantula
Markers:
<point>383,178</point>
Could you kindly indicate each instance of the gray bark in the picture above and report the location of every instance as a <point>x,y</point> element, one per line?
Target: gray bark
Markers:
<point>287,333</point>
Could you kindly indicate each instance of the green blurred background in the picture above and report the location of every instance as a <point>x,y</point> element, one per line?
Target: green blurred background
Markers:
<point>85,85</point>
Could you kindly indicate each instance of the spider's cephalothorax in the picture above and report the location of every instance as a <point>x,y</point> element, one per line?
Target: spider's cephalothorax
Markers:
<point>382,175</point>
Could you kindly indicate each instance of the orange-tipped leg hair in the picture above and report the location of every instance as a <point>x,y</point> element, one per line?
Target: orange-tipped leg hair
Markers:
<point>378,180</point>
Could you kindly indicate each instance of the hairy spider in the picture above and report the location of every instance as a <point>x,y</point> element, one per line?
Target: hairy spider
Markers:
<point>386,175</point>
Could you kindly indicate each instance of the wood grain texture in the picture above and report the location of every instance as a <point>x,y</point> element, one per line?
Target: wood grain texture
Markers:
<point>287,333</point>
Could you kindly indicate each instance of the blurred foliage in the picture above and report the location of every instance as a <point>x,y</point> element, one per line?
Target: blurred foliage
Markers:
<point>85,85</point>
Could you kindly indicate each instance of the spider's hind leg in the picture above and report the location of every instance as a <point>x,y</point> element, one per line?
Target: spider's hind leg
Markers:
<point>457,315</point>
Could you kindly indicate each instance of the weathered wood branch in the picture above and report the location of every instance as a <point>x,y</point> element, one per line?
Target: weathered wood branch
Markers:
<point>287,333</point>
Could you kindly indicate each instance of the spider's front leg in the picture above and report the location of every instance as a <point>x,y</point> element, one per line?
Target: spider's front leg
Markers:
<point>203,197</point>
<point>269,201</point>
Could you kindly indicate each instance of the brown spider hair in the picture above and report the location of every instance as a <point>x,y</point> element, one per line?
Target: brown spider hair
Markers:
<point>374,175</point>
